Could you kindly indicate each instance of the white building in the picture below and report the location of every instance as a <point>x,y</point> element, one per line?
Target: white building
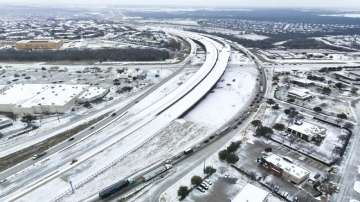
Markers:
<point>22,99</point>
<point>299,93</point>
<point>307,131</point>
<point>284,167</point>
<point>251,193</point>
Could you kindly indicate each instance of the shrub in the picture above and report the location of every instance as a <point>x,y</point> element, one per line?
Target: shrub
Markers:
<point>232,158</point>
<point>279,127</point>
<point>209,170</point>
<point>223,155</point>
<point>233,146</point>
<point>317,109</point>
<point>264,131</point>
<point>256,123</point>
<point>196,180</point>
<point>183,191</point>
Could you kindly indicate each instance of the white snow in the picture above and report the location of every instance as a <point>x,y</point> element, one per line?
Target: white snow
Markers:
<point>253,37</point>
<point>220,106</point>
<point>357,187</point>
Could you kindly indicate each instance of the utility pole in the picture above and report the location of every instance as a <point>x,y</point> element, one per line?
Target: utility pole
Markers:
<point>204,166</point>
<point>71,186</point>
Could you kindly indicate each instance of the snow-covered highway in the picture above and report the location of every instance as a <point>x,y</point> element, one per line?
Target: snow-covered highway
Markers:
<point>140,123</point>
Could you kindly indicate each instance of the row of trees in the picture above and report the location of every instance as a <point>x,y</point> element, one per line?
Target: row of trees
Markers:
<point>228,154</point>
<point>196,180</point>
<point>111,54</point>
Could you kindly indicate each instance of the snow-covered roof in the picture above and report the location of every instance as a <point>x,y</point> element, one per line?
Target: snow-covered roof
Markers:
<point>19,93</point>
<point>308,129</point>
<point>93,92</point>
<point>28,95</point>
<point>286,166</point>
<point>251,193</point>
<point>55,95</point>
<point>300,92</point>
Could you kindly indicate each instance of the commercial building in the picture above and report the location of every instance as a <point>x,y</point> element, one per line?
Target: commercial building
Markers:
<point>307,131</point>
<point>39,98</point>
<point>284,167</point>
<point>251,193</point>
<point>39,44</point>
<point>299,93</point>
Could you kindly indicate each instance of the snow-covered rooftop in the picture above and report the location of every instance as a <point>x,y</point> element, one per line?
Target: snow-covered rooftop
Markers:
<point>55,95</point>
<point>21,96</point>
<point>251,193</point>
<point>308,129</point>
<point>286,166</point>
<point>300,92</point>
<point>19,93</point>
<point>93,93</point>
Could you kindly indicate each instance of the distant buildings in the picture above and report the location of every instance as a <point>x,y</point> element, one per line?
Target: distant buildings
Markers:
<point>251,193</point>
<point>307,131</point>
<point>284,167</point>
<point>39,44</point>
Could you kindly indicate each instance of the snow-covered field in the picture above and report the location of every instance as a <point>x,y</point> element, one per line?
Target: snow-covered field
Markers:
<point>253,37</point>
<point>230,96</point>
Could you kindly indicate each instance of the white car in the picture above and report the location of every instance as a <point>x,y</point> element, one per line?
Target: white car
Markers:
<point>200,189</point>
<point>208,182</point>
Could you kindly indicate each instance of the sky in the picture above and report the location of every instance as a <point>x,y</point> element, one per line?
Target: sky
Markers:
<point>354,4</point>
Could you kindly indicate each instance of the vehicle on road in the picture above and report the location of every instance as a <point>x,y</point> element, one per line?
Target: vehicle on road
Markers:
<point>188,151</point>
<point>36,156</point>
<point>73,161</point>
<point>71,139</point>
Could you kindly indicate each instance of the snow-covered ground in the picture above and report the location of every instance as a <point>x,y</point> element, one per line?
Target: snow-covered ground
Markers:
<point>253,37</point>
<point>230,95</point>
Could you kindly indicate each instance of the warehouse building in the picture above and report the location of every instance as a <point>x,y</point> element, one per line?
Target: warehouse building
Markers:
<point>39,98</point>
<point>284,167</point>
<point>307,131</point>
<point>39,44</point>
